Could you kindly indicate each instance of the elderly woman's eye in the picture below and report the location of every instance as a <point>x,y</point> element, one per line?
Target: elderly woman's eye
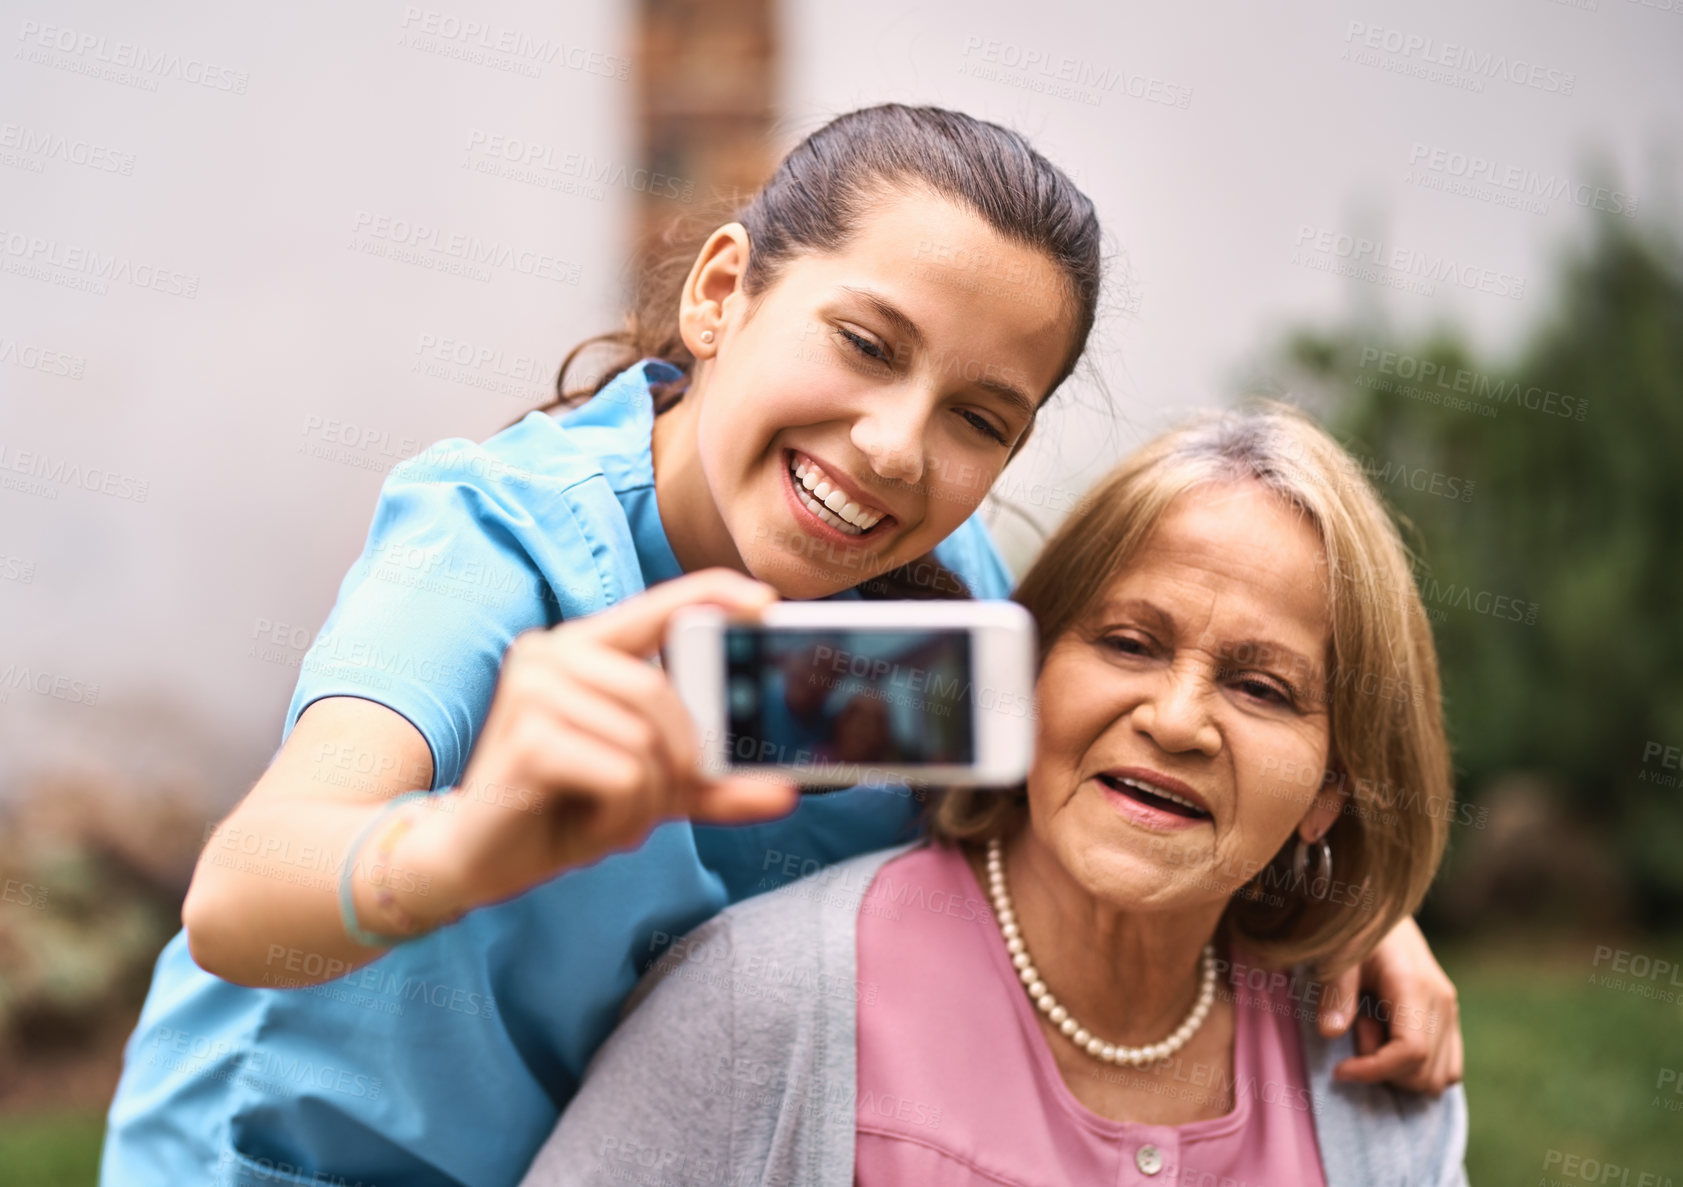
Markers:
<point>1126,644</point>
<point>1264,690</point>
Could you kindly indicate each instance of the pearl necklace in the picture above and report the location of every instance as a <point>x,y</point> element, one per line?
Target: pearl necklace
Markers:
<point>1057,1014</point>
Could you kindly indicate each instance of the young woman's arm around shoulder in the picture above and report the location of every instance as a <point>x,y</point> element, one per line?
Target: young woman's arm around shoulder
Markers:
<point>585,749</point>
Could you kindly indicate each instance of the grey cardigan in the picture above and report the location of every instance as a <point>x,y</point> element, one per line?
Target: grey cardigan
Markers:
<point>734,1064</point>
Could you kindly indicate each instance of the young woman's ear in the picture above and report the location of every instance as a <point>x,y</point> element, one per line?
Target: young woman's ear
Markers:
<point>714,279</point>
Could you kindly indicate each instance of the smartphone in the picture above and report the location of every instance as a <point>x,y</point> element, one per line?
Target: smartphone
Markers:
<point>837,693</point>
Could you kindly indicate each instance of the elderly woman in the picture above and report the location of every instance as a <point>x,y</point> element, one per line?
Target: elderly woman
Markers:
<point>1102,976</point>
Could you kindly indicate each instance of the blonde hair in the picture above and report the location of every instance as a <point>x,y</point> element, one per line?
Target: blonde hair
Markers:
<point>1388,746</point>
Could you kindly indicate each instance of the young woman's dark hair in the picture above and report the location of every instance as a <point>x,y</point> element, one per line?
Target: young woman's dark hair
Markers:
<point>816,201</point>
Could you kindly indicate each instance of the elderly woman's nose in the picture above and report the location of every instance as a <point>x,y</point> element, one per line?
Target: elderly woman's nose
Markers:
<point>1175,714</point>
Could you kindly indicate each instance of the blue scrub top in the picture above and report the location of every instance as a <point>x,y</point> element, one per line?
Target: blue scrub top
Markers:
<point>448,1059</point>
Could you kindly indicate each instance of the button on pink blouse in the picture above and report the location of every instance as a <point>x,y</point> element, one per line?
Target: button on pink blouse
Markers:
<point>958,1088</point>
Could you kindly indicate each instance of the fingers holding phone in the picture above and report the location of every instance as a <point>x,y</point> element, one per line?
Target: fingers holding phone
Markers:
<point>585,749</point>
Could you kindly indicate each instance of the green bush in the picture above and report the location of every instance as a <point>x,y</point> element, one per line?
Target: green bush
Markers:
<point>1546,498</point>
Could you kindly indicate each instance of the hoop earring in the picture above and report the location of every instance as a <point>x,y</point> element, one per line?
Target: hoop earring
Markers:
<point>1323,861</point>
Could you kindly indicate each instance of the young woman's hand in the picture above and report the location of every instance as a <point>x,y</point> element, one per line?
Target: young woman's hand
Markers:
<point>585,749</point>
<point>1413,1040</point>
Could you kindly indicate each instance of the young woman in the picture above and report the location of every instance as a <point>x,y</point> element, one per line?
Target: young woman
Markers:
<point>839,377</point>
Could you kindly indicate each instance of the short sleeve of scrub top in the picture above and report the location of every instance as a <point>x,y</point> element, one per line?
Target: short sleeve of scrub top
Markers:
<point>448,1059</point>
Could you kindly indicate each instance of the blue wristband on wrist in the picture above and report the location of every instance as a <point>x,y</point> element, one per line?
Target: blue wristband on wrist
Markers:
<point>347,907</point>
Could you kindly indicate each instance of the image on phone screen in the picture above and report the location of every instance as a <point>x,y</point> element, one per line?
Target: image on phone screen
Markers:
<point>813,697</point>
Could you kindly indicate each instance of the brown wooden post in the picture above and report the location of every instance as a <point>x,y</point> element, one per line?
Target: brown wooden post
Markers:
<point>706,88</point>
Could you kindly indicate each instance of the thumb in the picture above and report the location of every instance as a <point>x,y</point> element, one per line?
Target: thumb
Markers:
<point>743,799</point>
<point>637,625</point>
<point>1338,1001</point>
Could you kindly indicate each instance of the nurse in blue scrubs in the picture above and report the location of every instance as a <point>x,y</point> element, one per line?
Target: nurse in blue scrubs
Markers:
<point>386,990</point>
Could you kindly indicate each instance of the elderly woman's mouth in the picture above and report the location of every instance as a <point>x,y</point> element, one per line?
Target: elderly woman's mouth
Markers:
<point>1148,800</point>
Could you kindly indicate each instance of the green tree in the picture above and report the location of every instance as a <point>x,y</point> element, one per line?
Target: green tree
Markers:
<point>1574,455</point>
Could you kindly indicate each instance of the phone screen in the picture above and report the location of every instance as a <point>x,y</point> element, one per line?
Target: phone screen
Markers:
<point>816,697</point>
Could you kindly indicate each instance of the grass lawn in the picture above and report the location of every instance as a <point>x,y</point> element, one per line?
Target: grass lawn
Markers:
<point>1558,1062</point>
<point>1555,1062</point>
<point>50,1150</point>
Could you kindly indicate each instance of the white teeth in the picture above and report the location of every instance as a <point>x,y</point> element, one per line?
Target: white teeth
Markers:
<point>835,521</point>
<point>1160,793</point>
<point>830,503</point>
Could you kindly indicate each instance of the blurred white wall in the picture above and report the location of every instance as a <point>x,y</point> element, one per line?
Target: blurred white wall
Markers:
<point>1210,136</point>
<point>221,321</point>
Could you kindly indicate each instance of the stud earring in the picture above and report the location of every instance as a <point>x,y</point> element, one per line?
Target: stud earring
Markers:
<point>707,337</point>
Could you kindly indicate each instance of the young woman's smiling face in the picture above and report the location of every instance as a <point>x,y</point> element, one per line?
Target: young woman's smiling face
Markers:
<point>1183,725</point>
<point>863,410</point>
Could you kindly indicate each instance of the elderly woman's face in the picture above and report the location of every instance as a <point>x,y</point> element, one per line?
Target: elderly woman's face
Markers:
<point>1182,722</point>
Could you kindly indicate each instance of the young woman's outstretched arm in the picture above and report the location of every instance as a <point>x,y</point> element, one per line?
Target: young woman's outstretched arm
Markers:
<point>585,749</point>
<point>263,907</point>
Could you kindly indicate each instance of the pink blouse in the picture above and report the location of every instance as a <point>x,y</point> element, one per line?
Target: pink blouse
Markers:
<point>958,1088</point>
